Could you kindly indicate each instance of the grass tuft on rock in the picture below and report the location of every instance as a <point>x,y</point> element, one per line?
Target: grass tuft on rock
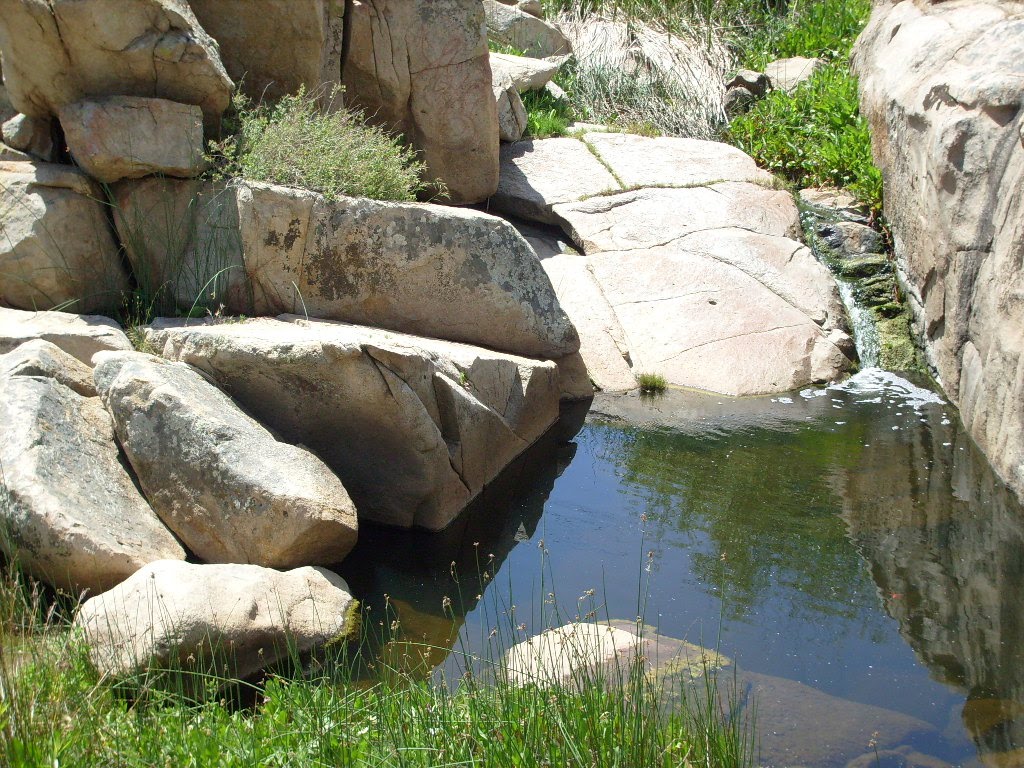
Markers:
<point>297,143</point>
<point>652,383</point>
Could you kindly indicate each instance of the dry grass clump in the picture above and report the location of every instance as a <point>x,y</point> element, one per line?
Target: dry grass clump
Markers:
<point>295,142</point>
<point>640,75</point>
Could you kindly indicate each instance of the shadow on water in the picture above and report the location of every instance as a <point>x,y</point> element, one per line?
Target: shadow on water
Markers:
<point>848,547</point>
<point>429,581</point>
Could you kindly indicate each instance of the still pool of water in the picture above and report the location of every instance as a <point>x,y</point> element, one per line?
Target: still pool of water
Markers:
<point>848,547</point>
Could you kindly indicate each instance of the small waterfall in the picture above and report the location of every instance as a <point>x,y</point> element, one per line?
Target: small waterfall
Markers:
<point>865,332</point>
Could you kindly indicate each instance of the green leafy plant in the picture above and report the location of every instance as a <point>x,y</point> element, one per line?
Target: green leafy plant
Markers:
<point>814,136</point>
<point>296,142</point>
<point>547,116</point>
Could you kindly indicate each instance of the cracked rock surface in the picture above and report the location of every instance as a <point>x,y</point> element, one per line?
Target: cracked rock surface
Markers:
<point>73,513</point>
<point>56,249</point>
<point>81,336</point>
<point>128,137</point>
<point>216,477</point>
<point>687,264</point>
<point>430,270</point>
<point>942,85</point>
<point>59,51</point>
<point>414,427</point>
<point>271,48</point>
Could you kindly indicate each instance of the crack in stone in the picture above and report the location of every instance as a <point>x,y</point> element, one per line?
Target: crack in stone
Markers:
<point>728,338</point>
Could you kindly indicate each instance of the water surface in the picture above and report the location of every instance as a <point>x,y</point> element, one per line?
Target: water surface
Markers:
<point>849,548</point>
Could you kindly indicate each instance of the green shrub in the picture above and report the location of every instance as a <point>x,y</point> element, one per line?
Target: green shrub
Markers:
<point>547,116</point>
<point>814,28</point>
<point>296,143</point>
<point>814,136</point>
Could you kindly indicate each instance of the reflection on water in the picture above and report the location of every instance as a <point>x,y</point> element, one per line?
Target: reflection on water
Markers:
<point>848,547</point>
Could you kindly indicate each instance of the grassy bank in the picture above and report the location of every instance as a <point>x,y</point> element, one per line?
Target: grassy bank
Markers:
<point>348,707</point>
<point>815,135</point>
<point>811,137</point>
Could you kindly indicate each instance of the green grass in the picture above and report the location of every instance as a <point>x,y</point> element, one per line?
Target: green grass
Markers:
<point>296,143</point>
<point>547,116</point>
<point>814,137</point>
<point>814,28</point>
<point>352,705</point>
<point>652,382</point>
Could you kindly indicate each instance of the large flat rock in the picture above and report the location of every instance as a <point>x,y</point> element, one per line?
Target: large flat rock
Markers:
<point>691,267</point>
<point>81,336</point>
<point>74,515</point>
<point>229,490</point>
<point>56,250</point>
<point>429,270</point>
<point>414,427</point>
<point>640,161</point>
<point>753,314</point>
<point>604,354</point>
<point>539,174</point>
<point>214,619</point>
<point>649,217</point>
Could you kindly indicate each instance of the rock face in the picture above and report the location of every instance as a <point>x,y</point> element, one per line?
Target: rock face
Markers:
<point>218,479</point>
<point>75,516</point>
<point>416,268</point>
<point>227,619</point>
<point>81,336</point>
<point>523,31</point>
<point>183,241</point>
<point>414,427</point>
<point>535,175</point>
<point>512,117</point>
<point>31,135</point>
<point>691,269</point>
<point>527,74</point>
<point>60,51</point>
<point>788,74</point>
<point>128,137</point>
<point>420,68</point>
<point>603,346</point>
<point>274,47</point>
<point>56,249</point>
<point>942,86</point>
<point>42,359</point>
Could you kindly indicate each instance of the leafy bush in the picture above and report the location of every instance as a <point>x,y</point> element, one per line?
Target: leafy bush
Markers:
<point>814,136</point>
<point>815,28</point>
<point>296,143</point>
<point>547,116</point>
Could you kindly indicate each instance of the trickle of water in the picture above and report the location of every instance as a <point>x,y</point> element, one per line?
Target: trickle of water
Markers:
<point>865,332</point>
